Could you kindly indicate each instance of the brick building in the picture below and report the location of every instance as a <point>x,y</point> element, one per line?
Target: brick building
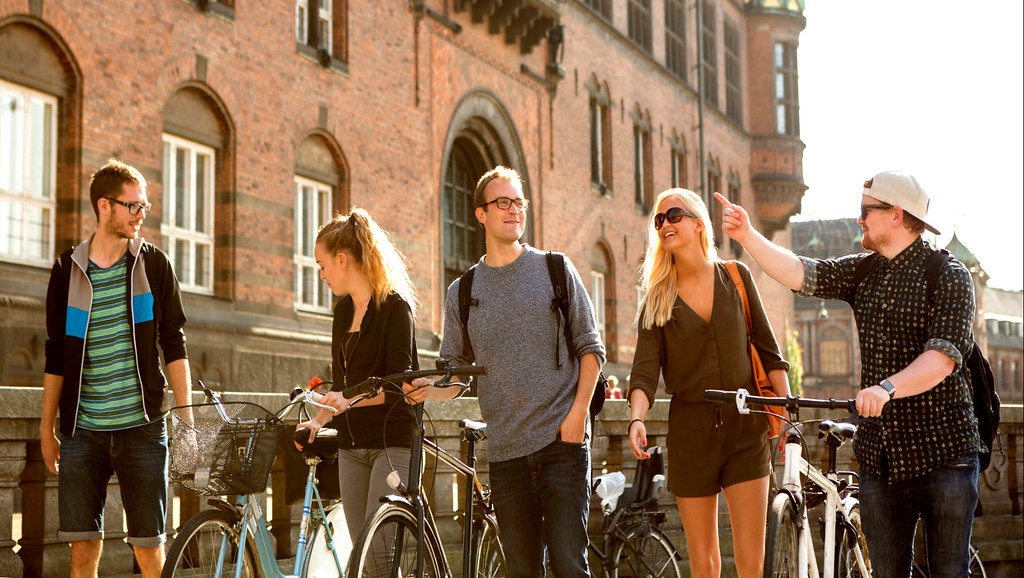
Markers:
<point>255,121</point>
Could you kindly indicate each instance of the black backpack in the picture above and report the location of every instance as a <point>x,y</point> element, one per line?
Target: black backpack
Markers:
<point>975,367</point>
<point>560,303</point>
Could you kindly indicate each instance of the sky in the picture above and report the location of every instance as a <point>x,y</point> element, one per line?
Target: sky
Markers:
<point>932,88</point>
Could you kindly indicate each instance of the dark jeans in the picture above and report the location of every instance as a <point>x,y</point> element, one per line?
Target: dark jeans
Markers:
<point>944,499</point>
<point>542,500</point>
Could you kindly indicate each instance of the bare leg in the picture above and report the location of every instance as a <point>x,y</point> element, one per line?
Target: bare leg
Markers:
<point>748,510</point>
<point>151,560</point>
<point>700,524</point>
<point>85,558</point>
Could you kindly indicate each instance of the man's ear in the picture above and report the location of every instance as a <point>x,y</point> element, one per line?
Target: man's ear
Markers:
<point>481,215</point>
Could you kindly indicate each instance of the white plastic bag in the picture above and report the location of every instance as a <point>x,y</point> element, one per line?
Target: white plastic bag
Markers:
<point>609,487</point>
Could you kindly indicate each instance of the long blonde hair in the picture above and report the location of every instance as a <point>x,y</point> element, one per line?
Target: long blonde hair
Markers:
<point>381,262</point>
<point>658,272</point>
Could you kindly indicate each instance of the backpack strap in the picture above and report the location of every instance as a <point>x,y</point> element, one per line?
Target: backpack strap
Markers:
<point>560,303</point>
<point>933,269</point>
<point>465,302</point>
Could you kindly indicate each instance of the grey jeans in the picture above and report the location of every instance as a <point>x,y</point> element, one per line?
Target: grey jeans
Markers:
<point>362,475</point>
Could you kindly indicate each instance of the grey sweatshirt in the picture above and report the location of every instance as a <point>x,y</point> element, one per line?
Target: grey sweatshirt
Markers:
<point>514,332</point>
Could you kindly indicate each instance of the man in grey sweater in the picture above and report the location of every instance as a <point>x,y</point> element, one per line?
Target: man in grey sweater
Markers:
<point>535,401</point>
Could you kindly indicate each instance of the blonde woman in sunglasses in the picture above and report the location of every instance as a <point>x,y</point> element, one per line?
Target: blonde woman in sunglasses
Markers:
<point>692,331</point>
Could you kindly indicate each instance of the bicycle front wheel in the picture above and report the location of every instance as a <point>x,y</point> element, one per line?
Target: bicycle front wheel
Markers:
<point>782,539</point>
<point>207,541</point>
<point>387,546</point>
<point>851,543</point>
<point>645,552</point>
<point>977,568</point>
<point>490,558</point>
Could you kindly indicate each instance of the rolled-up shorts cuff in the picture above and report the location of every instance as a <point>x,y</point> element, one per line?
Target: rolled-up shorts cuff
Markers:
<point>79,536</point>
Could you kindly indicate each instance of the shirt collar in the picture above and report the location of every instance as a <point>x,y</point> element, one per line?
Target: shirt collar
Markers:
<point>908,255</point>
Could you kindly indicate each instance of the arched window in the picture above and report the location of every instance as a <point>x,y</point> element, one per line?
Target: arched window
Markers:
<point>194,152</point>
<point>39,80</point>
<point>602,295</point>
<point>319,179</point>
<point>463,235</point>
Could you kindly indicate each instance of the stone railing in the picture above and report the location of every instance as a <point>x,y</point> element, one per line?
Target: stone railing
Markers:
<point>28,492</point>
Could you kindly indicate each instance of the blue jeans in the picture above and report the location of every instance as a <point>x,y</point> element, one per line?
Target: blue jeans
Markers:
<point>542,500</point>
<point>944,499</point>
<point>88,459</point>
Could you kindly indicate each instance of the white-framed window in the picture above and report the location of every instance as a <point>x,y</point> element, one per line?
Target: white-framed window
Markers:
<point>597,293</point>
<point>324,17</point>
<point>312,208</point>
<point>187,226</point>
<point>28,174</point>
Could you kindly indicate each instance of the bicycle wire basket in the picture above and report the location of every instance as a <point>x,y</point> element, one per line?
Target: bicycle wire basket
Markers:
<point>227,449</point>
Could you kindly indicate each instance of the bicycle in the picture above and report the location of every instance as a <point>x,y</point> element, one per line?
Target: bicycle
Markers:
<point>919,566</point>
<point>631,540</point>
<point>228,449</point>
<point>400,538</point>
<point>789,550</point>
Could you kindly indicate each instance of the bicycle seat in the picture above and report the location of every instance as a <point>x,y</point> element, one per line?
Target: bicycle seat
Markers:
<point>647,481</point>
<point>325,444</point>
<point>472,430</point>
<point>840,429</point>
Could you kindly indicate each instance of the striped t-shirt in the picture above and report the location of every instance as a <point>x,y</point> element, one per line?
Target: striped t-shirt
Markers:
<point>111,398</point>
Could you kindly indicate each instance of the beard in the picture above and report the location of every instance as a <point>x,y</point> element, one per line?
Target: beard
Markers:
<point>121,230</point>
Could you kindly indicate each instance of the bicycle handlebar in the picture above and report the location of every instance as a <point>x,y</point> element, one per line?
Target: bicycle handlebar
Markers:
<point>372,386</point>
<point>790,402</point>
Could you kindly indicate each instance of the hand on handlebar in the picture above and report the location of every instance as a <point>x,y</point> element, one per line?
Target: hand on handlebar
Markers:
<point>416,392</point>
<point>337,401</point>
<point>871,401</point>
<point>312,426</point>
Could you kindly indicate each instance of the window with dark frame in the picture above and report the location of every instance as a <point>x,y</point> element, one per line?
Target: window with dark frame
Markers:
<point>787,101</point>
<point>639,22</point>
<point>602,8</point>
<point>733,95</point>
<point>462,237</point>
<point>675,38</point>
<point>709,67</point>
<point>678,167</point>
<point>713,184</point>
<point>642,180</point>
<point>600,144</point>
<point>321,30</point>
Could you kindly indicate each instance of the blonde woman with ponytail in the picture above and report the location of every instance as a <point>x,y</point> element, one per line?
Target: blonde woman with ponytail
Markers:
<point>373,335</point>
<point>692,331</point>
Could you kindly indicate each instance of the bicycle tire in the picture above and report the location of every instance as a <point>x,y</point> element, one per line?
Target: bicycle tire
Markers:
<point>198,545</point>
<point>975,565</point>
<point>645,552</point>
<point>782,539</point>
<point>490,556</point>
<point>846,560</point>
<point>387,546</point>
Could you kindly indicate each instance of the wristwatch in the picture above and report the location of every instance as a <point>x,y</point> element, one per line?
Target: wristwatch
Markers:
<point>889,387</point>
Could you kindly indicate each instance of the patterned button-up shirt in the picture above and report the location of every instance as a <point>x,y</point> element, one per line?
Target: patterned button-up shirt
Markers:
<point>897,322</point>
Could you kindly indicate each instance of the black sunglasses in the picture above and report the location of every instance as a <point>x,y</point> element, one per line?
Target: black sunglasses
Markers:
<point>865,209</point>
<point>133,208</point>
<point>673,215</point>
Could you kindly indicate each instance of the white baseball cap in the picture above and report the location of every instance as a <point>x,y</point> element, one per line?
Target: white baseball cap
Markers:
<point>900,190</point>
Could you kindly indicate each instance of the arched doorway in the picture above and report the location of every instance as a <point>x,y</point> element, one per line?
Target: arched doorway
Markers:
<point>481,135</point>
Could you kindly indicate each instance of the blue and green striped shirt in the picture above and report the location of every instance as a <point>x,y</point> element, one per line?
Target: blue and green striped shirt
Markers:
<point>111,397</point>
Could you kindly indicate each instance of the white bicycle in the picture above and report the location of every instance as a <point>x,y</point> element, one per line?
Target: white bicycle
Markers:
<point>789,549</point>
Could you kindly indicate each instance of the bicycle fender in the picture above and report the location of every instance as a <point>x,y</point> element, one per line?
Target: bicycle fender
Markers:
<point>227,507</point>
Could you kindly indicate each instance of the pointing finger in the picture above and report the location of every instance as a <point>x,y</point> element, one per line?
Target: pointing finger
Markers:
<point>721,199</point>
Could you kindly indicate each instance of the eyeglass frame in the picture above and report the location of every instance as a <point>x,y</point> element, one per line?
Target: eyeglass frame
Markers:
<point>521,203</point>
<point>660,218</point>
<point>133,208</point>
<point>865,209</point>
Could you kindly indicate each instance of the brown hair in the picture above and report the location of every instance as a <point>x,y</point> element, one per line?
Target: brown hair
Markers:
<point>384,266</point>
<point>912,223</point>
<point>108,181</point>
<point>498,172</point>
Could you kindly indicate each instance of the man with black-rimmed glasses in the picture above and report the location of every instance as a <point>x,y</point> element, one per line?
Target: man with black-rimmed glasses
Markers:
<point>111,302</point>
<point>536,396</point>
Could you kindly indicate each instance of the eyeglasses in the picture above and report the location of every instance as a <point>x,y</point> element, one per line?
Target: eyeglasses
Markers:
<point>504,203</point>
<point>673,215</point>
<point>133,208</point>
<point>865,209</point>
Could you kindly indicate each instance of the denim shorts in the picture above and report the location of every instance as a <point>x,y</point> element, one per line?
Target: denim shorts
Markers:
<point>138,456</point>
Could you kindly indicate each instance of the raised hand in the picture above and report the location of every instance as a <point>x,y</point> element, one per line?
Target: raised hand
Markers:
<point>735,220</point>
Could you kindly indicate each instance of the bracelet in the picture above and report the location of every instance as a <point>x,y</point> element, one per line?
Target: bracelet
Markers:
<point>630,426</point>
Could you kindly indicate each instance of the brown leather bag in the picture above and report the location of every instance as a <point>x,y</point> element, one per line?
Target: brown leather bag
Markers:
<point>764,387</point>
